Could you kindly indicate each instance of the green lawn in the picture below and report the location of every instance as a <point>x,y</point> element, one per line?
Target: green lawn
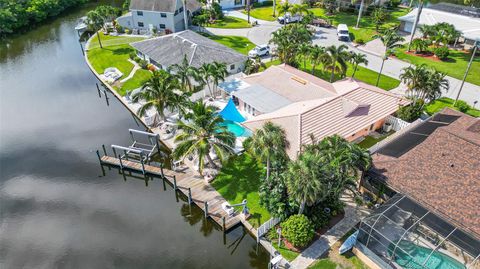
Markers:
<point>369,141</point>
<point>454,66</point>
<point>230,23</point>
<point>108,40</point>
<point>238,43</point>
<point>263,11</point>
<point>289,255</point>
<point>364,74</point>
<point>141,75</point>
<point>443,102</point>
<point>113,56</point>
<point>240,179</point>
<point>367,27</point>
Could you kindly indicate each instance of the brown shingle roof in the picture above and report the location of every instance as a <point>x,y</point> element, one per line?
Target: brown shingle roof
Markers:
<point>442,172</point>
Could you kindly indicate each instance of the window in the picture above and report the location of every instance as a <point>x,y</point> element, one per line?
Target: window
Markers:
<point>163,15</point>
<point>238,2</point>
<point>371,126</point>
<point>162,26</point>
<point>176,13</point>
<point>139,13</point>
<point>180,9</point>
<point>140,24</point>
<point>232,66</point>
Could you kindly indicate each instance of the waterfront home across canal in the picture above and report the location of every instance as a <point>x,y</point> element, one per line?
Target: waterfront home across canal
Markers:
<point>171,49</point>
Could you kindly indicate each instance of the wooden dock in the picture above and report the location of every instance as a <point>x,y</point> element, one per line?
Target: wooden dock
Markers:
<point>192,186</point>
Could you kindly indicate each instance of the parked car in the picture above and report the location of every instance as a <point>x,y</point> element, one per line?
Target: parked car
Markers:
<point>262,50</point>
<point>342,32</point>
<point>289,18</point>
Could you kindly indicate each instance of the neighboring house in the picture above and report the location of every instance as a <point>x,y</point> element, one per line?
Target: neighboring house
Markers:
<point>467,23</point>
<point>163,15</point>
<point>170,49</point>
<point>304,105</point>
<point>430,178</point>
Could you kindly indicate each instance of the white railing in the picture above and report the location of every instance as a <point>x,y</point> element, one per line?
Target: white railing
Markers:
<point>399,133</point>
<point>397,124</point>
<point>263,229</point>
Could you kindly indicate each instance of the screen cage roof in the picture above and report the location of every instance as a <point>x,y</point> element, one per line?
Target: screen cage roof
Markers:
<point>404,234</point>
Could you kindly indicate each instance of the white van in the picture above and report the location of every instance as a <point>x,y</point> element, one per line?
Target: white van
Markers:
<point>342,32</point>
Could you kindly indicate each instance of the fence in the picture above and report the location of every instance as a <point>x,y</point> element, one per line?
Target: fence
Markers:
<point>263,229</point>
<point>399,133</point>
<point>397,124</point>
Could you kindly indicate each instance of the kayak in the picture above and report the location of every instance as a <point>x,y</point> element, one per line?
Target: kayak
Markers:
<point>349,243</point>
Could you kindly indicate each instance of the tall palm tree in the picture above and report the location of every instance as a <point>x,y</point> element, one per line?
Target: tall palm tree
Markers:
<point>356,59</point>
<point>360,11</point>
<point>299,9</point>
<point>283,9</point>
<point>184,72</point>
<point>304,51</point>
<point>202,133</point>
<point>206,73</point>
<point>379,15</point>
<point>95,22</point>
<point>219,74</point>
<point>303,180</point>
<point>317,55</point>
<point>159,92</point>
<point>424,83</point>
<point>390,39</point>
<point>269,144</point>
<point>337,55</point>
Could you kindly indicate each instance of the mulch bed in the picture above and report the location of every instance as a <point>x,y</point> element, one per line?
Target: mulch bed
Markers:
<point>427,55</point>
<point>333,221</point>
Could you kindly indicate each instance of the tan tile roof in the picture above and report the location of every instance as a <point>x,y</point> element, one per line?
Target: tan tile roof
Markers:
<point>352,108</point>
<point>442,172</point>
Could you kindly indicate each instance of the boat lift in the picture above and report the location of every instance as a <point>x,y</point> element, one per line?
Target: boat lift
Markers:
<point>138,150</point>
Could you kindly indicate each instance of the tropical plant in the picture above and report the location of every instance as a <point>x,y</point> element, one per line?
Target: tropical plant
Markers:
<point>441,52</point>
<point>219,74</point>
<point>357,58</point>
<point>95,22</point>
<point>427,30</point>
<point>159,92</point>
<point>274,196</point>
<point>298,230</point>
<point>390,39</point>
<point>419,45</point>
<point>269,143</point>
<point>211,74</point>
<point>108,13</point>
<point>288,39</point>
<point>337,55</point>
<point>203,133</point>
<point>184,72</point>
<point>410,112</point>
<point>379,15</point>
<point>253,65</point>
<point>317,55</point>
<point>330,6</point>
<point>283,8</point>
<point>462,106</point>
<point>304,51</point>
<point>299,9</point>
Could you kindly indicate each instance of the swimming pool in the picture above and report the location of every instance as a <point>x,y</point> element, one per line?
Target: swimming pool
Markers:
<point>418,254</point>
<point>237,129</point>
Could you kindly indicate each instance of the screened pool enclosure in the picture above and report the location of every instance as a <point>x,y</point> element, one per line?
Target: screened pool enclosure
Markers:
<point>403,234</point>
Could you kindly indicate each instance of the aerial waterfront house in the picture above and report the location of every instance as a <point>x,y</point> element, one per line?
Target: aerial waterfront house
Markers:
<point>430,177</point>
<point>171,49</point>
<point>305,105</point>
<point>166,16</point>
<point>465,19</point>
<point>229,4</point>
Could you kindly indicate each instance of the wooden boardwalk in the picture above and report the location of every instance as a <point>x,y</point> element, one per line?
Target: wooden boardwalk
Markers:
<point>201,193</point>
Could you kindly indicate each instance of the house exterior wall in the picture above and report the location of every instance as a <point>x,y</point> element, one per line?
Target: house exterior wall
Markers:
<point>226,4</point>
<point>366,131</point>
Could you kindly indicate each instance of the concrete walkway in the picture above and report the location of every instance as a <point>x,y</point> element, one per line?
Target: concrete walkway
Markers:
<point>353,214</point>
<point>132,73</point>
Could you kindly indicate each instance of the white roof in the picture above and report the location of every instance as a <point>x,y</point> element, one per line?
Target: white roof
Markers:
<point>468,26</point>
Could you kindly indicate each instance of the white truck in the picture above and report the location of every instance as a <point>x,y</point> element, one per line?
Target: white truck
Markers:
<point>289,18</point>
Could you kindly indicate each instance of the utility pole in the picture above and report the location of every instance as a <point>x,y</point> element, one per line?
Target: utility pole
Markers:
<point>185,15</point>
<point>475,45</point>
<point>417,18</point>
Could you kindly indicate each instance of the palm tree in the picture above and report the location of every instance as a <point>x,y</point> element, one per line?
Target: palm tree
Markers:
<point>206,73</point>
<point>423,83</point>
<point>419,45</point>
<point>426,30</point>
<point>317,54</point>
<point>253,65</point>
<point>304,50</point>
<point>390,39</point>
<point>269,144</point>
<point>356,59</point>
<point>303,180</point>
<point>159,92</point>
<point>337,55</point>
<point>95,22</point>
<point>299,9</point>
<point>283,9</point>
<point>184,72</point>
<point>379,15</point>
<point>219,74</point>
<point>202,133</point>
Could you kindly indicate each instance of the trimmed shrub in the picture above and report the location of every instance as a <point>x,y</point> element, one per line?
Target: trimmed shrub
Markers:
<point>143,64</point>
<point>137,59</point>
<point>298,230</point>
<point>119,29</point>
<point>360,41</point>
<point>411,112</point>
<point>462,106</point>
<point>441,52</point>
<point>132,55</point>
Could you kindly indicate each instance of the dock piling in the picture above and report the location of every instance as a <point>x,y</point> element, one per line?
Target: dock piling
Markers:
<point>161,170</point>
<point>98,90</point>
<point>174,182</point>
<point>141,161</point>
<point>121,164</point>
<point>223,223</point>
<point>99,158</point>
<point>189,195</point>
<point>205,204</point>
<point>104,150</point>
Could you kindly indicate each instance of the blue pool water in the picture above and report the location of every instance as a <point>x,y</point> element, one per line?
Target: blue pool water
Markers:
<point>418,254</point>
<point>237,129</point>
